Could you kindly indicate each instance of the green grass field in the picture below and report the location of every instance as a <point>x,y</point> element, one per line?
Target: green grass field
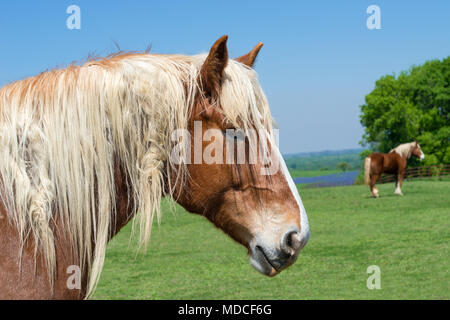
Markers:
<point>311,173</point>
<point>407,237</point>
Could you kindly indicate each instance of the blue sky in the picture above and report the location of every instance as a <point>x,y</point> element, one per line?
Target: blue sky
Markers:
<point>318,62</point>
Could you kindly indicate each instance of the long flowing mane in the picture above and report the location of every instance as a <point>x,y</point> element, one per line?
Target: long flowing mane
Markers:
<point>404,149</point>
<point>62,131</point>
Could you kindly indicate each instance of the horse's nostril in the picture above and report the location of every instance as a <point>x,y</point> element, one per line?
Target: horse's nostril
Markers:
<point>291,242</point>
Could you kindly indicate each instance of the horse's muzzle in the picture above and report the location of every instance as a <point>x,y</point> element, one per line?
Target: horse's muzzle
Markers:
<point>270,261</point>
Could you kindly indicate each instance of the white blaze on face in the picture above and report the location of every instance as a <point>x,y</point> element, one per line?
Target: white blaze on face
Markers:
<point>422,155</point>
<point>304,224</point>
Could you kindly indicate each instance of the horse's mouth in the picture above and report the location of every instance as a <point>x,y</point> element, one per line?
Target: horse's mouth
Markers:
<point>260,261</point>
<point>271,256</point>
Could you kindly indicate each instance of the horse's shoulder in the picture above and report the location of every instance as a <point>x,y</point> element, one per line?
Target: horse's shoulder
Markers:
<point>397,156</point>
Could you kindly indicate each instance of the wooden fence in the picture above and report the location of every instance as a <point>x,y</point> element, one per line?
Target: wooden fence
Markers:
<point>437,170</point>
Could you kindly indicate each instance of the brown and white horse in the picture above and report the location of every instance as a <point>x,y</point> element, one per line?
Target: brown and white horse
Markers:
<point>393,162</point>
<point>86,148</point>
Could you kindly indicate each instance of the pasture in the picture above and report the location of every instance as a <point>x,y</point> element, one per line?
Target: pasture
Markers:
<point>312,173</point>
<point>407,237</point>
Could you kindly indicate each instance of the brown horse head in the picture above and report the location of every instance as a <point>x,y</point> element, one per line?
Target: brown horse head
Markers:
<point>252,198</point>
<point>417,151</point>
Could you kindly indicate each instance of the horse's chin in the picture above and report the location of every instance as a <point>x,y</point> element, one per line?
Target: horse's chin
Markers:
<point>262,265</point>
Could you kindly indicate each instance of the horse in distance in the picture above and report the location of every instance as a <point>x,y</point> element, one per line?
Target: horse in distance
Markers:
<point>394,162</point>
<point>88,148</point>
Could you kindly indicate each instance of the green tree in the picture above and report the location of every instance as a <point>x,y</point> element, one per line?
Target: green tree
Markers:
<point>415,105</point>
<point>344,166</point>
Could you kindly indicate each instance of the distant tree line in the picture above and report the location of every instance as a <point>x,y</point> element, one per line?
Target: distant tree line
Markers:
<point>325,162</point>
<point>414,105</point>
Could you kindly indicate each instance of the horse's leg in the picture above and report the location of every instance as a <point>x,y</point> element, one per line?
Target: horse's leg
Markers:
<point>373,188</point>
<point>400,175</point>
<point>398,184</point>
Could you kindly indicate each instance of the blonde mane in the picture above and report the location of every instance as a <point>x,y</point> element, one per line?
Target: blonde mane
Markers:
<point>404,149</point>
<point>62,131</point>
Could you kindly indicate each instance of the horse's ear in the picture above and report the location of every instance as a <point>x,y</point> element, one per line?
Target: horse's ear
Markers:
<point>249,58</point>
<point>212,71</point>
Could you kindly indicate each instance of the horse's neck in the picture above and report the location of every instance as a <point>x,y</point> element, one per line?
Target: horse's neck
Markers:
<point>124,200</point>
<point>404,152</point>
<point>408,153</point>
<point>125,206</point>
